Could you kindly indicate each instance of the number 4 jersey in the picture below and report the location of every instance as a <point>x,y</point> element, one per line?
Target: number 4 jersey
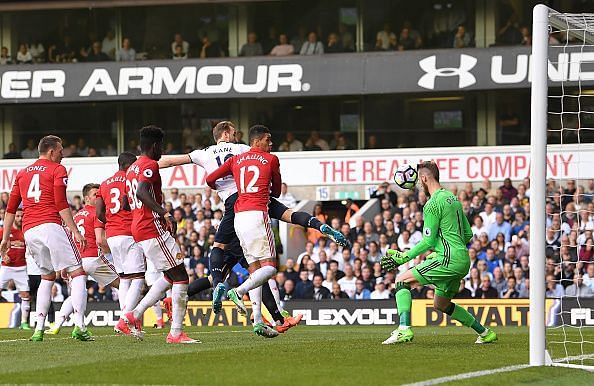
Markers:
<point>146,224</point>
<point>113,191</point>
<point>42,188</point>
<point>213,157</point>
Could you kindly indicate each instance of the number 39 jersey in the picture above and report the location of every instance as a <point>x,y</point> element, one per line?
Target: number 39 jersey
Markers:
<point>213,157</point>
<point>113,191</point>
<point>146,224</point>
<point>257,176</point>
<point>42,188</point>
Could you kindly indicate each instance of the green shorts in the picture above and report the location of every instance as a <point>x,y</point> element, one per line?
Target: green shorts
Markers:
<point>444,276</point>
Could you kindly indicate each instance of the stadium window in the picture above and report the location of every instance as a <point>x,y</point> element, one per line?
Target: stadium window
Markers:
<point>513,120</point>
<point>87,129</point>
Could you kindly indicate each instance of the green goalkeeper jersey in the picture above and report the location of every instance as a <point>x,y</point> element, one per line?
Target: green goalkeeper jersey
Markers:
<point>446,231</point>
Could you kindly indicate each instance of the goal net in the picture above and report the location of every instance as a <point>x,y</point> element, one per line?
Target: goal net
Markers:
<point>562,206</point>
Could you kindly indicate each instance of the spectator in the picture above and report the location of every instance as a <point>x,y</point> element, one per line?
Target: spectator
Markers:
<point>298,40</point>
<point>588,278</point>
<point>478,228</point>
<point>312,46</point>
<point>510,292</point>
<point>96,54</point>
<point>509,34</point>
<point>314,142</point>
<point>463,292</point>
<point>24,56</point>
<point>346,38</point>
<point>291,144</point>
<point>126,53</point>
<point>380,291</point>
<point>499,281</point>
<point>413,34</point>
<point>526,36</point>
<point>333,45</point>
<point>304,286</point>
<point>348,282</point>
<point>12,152</point>
<point>371,142</point>
<point>462,39</point>
<point>384,192</point>
<point>500,226</point>
<point>178,40</point>
<point>108,46</point>
<point>287,197</point>
<point>319,291</point>
<point>486,291</point>
<point>406,42</point>
<point>382,39</point>
<point>179,53</point>
<point>30,151</point>
<point>361,293</point>
<point>337,293</point>
<point>578,288</point>
<point>508,190</point>
<point>287,292</point>
<point>211,50</point>
<point>290,272</point>
<point>37,51</point>
<point>5,56</point>
<point>252,47</point>
<point>269,42</point>
<point>174,198</point>
<point>62,53</point>
<point>283,48</point>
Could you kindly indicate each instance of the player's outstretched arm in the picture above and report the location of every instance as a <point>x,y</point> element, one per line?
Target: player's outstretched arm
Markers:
<point>174,160</point>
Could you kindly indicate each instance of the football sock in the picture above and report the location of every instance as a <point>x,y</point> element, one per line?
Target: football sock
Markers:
<point>154,295</point>
<point>305,220</point>
<point>403,303</point>
<point>66,310</point>
<point>270,303</point>
<point>198,286</point>
<point>25,309</point>
<point>274,289</point>
<point>122,292</point>
<point>158,310</point>
<point>44,298</point>
<point>256,279</point>
<point>256,299</point>
<point>461,315</point>
<point>133,294</point>
<point>179,297</point>
<point>78,294</point>
<point>217,260</point>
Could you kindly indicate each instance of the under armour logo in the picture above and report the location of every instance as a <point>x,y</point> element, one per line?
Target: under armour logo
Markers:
<point>466,79</point>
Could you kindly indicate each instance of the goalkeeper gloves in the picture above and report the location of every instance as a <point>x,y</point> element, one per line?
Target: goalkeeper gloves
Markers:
<point>393,259</point>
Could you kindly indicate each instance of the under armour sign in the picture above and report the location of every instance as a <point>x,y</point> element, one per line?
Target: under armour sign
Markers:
<point>465,77</point>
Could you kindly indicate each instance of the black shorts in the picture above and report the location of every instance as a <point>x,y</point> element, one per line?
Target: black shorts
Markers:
<point>276,209</point>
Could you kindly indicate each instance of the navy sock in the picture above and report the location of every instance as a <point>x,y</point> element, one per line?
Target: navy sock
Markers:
<point>270,303</point>
<point>305,220</point>
<point>217,261</point>
<point>198,286</point>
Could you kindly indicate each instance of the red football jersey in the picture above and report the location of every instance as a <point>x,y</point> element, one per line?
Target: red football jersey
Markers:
<point>42,189</point>
<point>113,191</point>
<point>16,253</point>
<point>257,176</point>
<point>86,221</point>
<point>146,224</point>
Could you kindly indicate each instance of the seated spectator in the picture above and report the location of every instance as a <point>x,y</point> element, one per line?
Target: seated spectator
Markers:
<point>412,33</point>
<point>463,292</point>
<point>588,278</point>
<point>287,292</point>
<point>126,53</point>
<point>500,226</point>
<point>319,291</point>
<point>179,53</point>
<point>348,282</point>
<point>478,227</point>
<point>63,52</point>
<point>178,40</point>
<point>508,190</point>
<point>108,45</point>
<point>382,39</point>
<point>283,48</point>
<point>96,54</point>
<point>499,281</point>
<point>304,286</point>
<point>346,38</point>
<point>510,291</point>
<point>462,39</point>
<point>252,47</point>
<point>291,143</point>
<point>578,288</point>
<point>333,45</point>
<point>380,291</point>
<point>315,142</point>
<point>298,40</point>
<point>337,293</point>
<point>212,50</point>
<point>37,51</point>
<point>361,293</point>
<point>526,36</point>
<point>486,291</point>
<point>312,46</point>
<point>270,41</point>
<point>30,151</point>
<point>509,34</point>
<point>5,56</point>
<point>24,56</point>
<point>406,42</point>
<point>12,152</point>
<point>287,197</point>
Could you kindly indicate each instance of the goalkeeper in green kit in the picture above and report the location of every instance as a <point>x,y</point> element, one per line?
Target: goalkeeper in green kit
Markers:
<point>446,231</point>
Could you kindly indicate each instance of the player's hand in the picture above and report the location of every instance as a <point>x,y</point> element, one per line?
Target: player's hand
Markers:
<point>80,239</point>
<point>4,248</point>
<point>393,259</point>
<point>170,225</point>
<point>432,255</point>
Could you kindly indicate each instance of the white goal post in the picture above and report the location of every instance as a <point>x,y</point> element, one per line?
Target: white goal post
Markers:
<point>577,31</point>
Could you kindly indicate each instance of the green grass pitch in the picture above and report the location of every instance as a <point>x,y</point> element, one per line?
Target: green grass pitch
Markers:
<point>334,355</point>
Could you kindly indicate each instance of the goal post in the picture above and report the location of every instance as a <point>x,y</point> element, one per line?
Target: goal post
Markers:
<point>564,113</point>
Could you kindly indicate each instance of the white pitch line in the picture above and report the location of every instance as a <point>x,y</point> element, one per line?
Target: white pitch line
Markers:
<point>473,374</point>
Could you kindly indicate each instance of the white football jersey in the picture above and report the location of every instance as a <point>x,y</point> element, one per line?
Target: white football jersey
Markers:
<point>213,157</point>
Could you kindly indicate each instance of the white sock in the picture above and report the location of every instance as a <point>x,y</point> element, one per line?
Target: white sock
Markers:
<point>78,295</point>
<point>274,289</point>
<point>154,295</point>
<point>179,300</point>
<point>256,279</point>
<point>122,293</point>
<point>134,293</point>
<point>66,310</point>
<point>256,299</point>
<point>25,309</point>
<point>44,298</point>
<point>158,310</point>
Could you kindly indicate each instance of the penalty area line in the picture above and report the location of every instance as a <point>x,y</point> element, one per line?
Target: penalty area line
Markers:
<point>473,374</point>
